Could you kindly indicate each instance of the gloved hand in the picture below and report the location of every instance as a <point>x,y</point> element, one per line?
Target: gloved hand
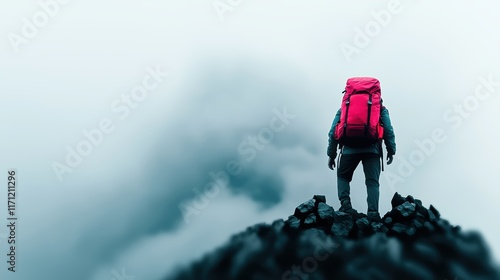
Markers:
<point>331,162</point>
<point>389,158</point>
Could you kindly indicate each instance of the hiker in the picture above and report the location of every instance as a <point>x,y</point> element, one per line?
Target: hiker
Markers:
<point>358,129</point>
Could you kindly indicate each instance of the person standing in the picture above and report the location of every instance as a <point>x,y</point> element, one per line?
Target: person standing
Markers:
<point>358,129</point>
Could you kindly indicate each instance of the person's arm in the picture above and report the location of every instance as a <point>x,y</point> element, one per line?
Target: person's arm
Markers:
<point>389,136</point>
<point>332,142</point>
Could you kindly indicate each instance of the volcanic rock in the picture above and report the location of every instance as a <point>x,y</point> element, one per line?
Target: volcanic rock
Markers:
<point>412,242</point>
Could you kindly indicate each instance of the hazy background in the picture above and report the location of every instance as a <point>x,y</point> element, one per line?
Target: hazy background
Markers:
<point>119,210</point>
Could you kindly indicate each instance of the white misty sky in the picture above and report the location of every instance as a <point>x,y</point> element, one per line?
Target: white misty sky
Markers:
<point>119,207</point>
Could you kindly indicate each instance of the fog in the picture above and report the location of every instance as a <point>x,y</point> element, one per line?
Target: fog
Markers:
<point>217,77</point>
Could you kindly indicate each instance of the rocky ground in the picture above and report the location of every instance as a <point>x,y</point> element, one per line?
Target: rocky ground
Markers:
<point>317,242</point>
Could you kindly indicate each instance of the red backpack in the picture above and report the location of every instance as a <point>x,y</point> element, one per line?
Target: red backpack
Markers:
<point>359,124</point>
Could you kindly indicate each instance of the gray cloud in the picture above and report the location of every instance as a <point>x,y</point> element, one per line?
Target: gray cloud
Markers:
<point>226,80</point>
<point>220,112</point>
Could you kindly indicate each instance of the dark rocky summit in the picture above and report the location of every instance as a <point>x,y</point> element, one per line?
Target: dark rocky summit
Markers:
<point>316,242</point>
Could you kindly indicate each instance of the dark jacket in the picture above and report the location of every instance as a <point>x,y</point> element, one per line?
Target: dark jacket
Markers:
<point>389,138</point>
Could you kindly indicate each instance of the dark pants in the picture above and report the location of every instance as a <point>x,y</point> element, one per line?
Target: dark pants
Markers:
<point>371,168</point>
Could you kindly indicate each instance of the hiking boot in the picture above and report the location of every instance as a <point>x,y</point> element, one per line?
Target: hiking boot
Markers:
<point>346,207</point>
<point>374,217</point>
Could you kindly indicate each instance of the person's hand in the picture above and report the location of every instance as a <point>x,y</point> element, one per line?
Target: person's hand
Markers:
<point>389,158</point>
<point>331,162</point>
